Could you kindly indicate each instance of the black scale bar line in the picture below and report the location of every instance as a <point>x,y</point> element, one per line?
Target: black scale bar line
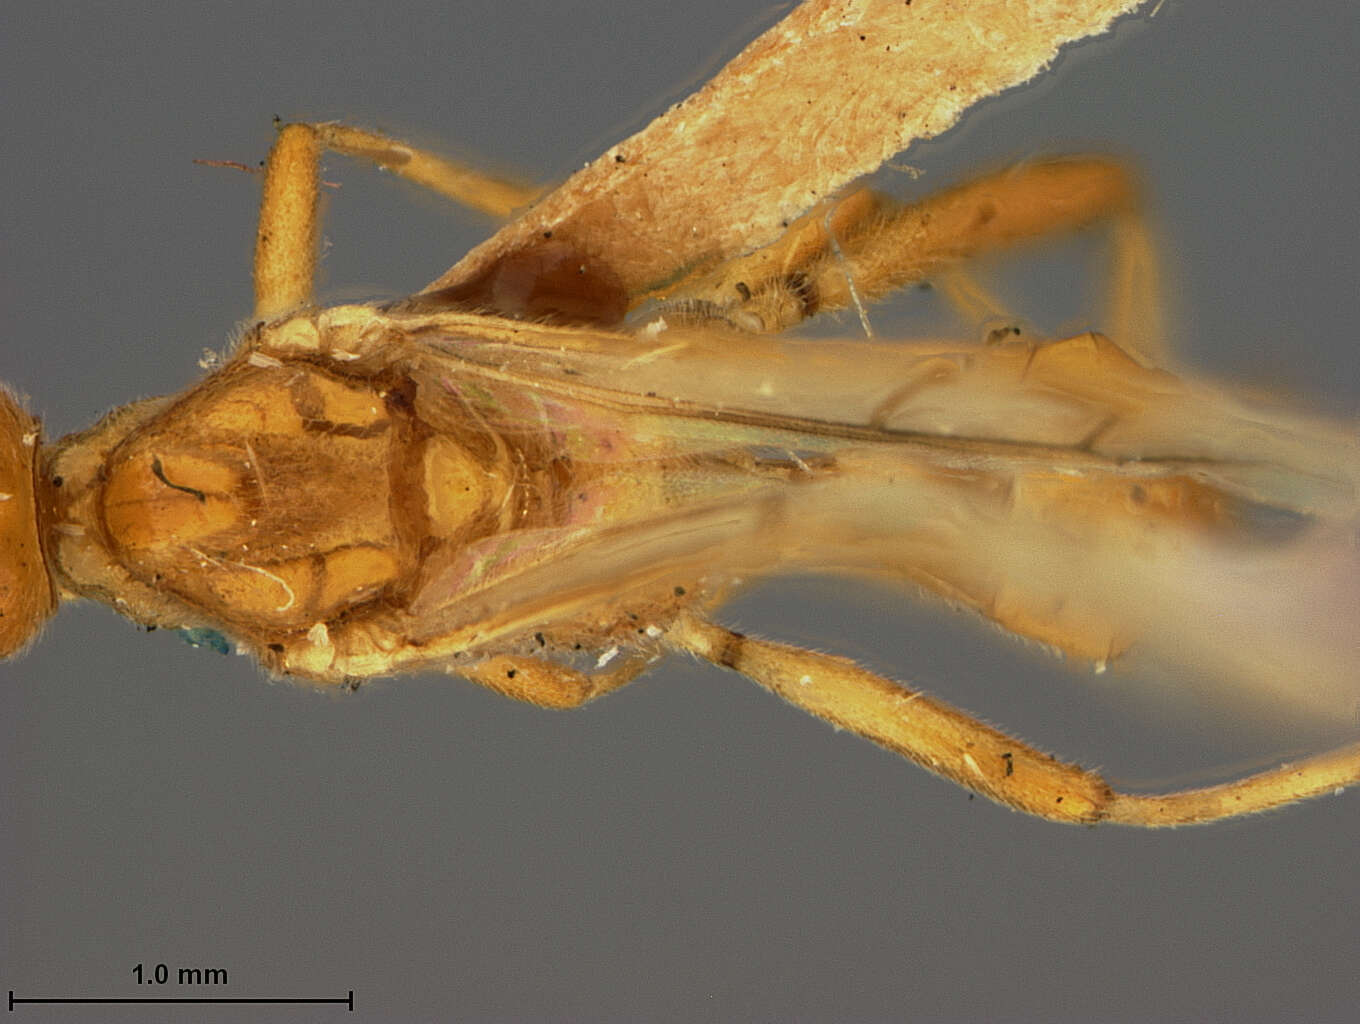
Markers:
<point>14,1000</point>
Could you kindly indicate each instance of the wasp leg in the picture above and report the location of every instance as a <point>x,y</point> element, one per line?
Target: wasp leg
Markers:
<point>547,683</point>
<point>1137,316</point>
<point>285,241</point>
<point>1329,772</point>
<point>496,196</point>
<point>865,245</point>
<point>973,302</point>
<point>285,244</point>
<point>958,747</point>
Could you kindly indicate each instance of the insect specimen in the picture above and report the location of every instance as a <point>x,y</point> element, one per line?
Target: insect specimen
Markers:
<point>547,468</point>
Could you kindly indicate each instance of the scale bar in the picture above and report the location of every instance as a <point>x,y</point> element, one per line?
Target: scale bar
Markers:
<point>347,1001</point>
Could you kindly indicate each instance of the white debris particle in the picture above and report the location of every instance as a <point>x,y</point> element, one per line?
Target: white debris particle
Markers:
<point>608,656</point>
<point>654,328</point>
<point>319,635</point>
<point>653,631</point>
<point>804,680</point>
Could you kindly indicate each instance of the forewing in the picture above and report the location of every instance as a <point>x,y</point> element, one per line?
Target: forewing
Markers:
<point>1070,494</point>
<point>1071,399</point>
<point>823,97</point>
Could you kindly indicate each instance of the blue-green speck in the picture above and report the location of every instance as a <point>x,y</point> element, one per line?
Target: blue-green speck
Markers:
<point>209,638</point>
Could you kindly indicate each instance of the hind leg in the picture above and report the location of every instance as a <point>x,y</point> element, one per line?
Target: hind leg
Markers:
<point>959,747</point>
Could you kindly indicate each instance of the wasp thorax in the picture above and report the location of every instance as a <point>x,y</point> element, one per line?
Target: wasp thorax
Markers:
<point>278,497</point>
<point>26,594</point>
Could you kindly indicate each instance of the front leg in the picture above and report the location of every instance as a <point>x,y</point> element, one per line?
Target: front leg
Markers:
<point>286,242</point>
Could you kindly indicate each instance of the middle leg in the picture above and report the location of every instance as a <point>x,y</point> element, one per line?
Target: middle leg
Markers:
<point>866,245</point>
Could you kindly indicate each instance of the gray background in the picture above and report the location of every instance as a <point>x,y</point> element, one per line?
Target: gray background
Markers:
<point>689,849</point>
